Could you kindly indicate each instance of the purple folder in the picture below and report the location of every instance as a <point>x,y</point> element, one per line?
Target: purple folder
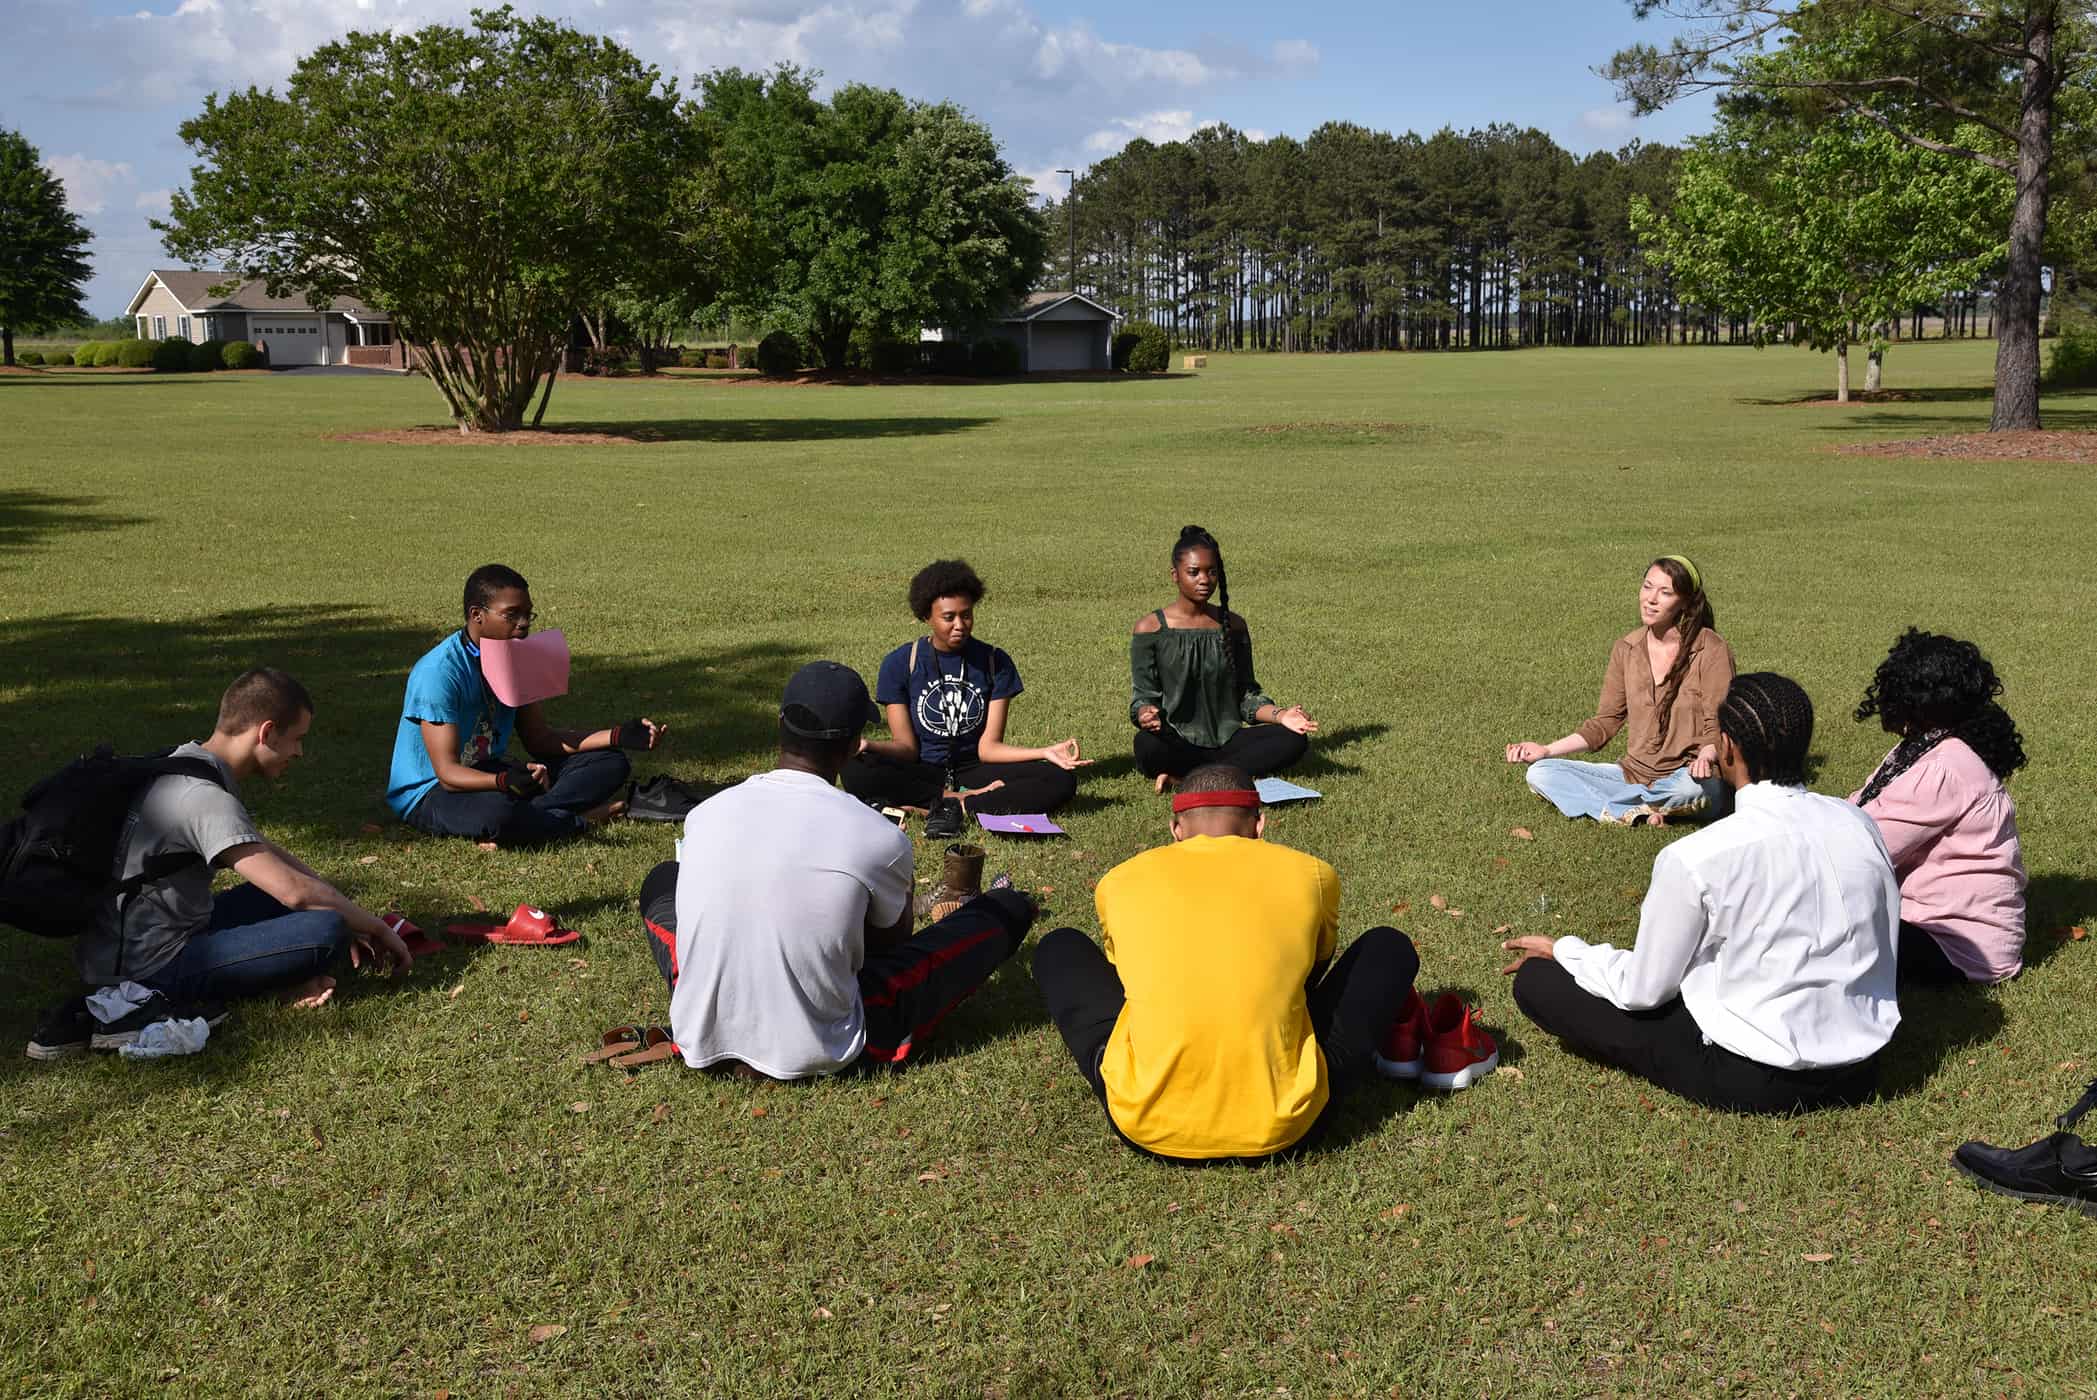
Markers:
<point>1020,824</point>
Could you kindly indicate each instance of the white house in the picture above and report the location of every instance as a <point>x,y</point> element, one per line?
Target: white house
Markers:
<point>180,303</point>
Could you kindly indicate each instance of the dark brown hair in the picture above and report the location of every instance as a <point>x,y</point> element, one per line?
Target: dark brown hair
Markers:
<point>264,693</point>
<point>1691,618</point>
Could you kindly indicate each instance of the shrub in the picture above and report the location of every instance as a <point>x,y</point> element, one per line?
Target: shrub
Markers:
<point>994,358</point>
<point>170,356</point>
<point>207,356</point>
<point>894,357</point>
<point>241,354</point>
<point>1152,352</point>
<point>132,354</point>
<point>28,357</point>
<point>2072,363</point>
<point>610,360</point>
<point>692,359</point>
<point>99,353</point>
<point>714,359</point>
<point>778,355</point>
<point>1124,343</point>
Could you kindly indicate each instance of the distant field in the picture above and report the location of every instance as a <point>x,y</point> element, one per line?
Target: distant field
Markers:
<point>1434,551</point>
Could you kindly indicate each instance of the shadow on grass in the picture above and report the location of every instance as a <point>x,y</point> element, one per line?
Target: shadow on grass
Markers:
<point>752,430</point>
<point>1935,1024</point>
<point>1318,763</point>
<point>1920,425</point>
<point>29,516</point>
<point>2053,903</point>
<point>1961,393</point>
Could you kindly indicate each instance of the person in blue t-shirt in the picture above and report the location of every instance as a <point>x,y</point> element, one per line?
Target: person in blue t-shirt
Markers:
<point>946,697</point>
<point>450,775</point>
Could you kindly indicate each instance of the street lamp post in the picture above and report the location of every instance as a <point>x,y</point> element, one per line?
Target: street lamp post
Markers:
<point>1070,221</point>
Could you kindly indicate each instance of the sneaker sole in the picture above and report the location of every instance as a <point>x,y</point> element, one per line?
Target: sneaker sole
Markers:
<point>2084,1204</point>
<point>1464,1078</point>
<point>56,1052</point>
<point>1399,1069</point>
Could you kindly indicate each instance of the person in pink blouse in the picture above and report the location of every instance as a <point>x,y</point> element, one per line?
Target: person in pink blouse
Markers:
<point>1948,822</point>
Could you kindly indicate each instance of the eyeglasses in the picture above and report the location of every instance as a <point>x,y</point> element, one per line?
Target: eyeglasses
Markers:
<point>513,614</point>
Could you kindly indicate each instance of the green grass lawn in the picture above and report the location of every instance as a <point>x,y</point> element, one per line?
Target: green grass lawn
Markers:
<point>399,1193</point>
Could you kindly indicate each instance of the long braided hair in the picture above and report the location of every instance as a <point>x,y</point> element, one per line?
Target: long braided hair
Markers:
<point>1769,718</point>
<point>1193,537</point>
<point>1931,688</point>
<point>1691,618</point>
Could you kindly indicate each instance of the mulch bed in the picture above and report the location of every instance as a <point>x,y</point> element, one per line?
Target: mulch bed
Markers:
<point>543,437</point>
<point>2039,446</point>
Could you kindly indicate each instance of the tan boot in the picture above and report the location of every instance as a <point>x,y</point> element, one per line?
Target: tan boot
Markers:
<point>960,882</point>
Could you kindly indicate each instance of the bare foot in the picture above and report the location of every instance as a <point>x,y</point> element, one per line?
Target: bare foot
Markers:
<point>609,812</point>
<point>314,991</point>
<point>1163,783</point>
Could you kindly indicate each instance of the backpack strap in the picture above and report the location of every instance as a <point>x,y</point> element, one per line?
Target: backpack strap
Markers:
<point>158,868</point>
<point>910,669</point>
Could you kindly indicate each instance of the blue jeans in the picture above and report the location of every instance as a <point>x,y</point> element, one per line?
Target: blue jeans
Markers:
<point>579,782</point>
<point>1601,791</point>
<point>252,946</point>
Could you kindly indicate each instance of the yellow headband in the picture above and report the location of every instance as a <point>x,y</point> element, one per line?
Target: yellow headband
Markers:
<point>1696,577</point>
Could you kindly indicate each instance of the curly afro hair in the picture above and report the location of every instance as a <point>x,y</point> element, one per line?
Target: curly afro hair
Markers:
<point>943,578</point>
<point>1932,682</point>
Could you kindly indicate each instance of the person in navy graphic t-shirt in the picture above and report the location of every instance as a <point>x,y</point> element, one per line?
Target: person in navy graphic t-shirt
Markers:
<point>946,697</point>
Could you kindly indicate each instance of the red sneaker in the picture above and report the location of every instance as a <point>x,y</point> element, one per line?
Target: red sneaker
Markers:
<point>1399,1056</point>
<point>1458,1053</point>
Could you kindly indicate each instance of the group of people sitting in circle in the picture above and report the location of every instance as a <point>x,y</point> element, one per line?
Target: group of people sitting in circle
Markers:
<point>1216,1017</point>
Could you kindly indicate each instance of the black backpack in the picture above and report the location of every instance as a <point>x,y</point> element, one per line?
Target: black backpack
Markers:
<point>58,859</point>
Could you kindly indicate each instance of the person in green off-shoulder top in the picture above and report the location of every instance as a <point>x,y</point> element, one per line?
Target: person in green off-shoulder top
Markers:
<point>1194,698</point>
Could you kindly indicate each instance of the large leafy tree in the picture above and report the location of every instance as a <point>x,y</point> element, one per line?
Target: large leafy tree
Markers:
<point>864,217</point>
<point>43,247</point>
<point>1829,231</point>
<point>1979,80</point>
<point>483,185</point>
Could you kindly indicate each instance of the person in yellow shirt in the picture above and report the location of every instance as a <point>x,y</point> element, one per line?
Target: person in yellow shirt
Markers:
<point>1216,1025</point>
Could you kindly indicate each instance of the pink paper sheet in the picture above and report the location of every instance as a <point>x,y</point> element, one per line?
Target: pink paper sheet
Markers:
<point>532,669</point>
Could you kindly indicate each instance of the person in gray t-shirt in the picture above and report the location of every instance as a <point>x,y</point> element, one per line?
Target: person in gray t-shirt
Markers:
<point>279,932</point>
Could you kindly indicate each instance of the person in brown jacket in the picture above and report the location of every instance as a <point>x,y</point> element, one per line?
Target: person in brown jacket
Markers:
<point>1665,681</point>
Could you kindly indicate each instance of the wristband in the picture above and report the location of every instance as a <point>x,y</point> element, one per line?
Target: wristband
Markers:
<point>517,781</point>
<point>631,735</point>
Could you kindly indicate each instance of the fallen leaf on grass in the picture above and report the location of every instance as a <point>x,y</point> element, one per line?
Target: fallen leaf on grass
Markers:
<point>475,901</point>
<point>661,1114</point>
<point>456,990</point>
<point>89,1266</point>
<point>371,828</point>
<point>367,860</point>
<point>822,1314</point>
<point>578,964</point>
<point>1282,1227</point>
<point>1139,1261</point>
<point>578,1107</point>
<point>1816,1258</point>
<point>546,1332</point>
<point>1399,1211</point>
<point>1401,906</point>
<point>314,1135</point>
<point>937,1172</point>
<point>1514,1222</point>
<point>1510,1072</point>
<point>2078,933</point>
<point>1522,833</point>
<point>523,1016</point>
<point>1454,913</point>
<point>1740,1207</point>
<point>758,1110</point>
<point>1503,928</point>
<point>1438,901</point>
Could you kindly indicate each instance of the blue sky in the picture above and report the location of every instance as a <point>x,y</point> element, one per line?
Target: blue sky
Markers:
<point>101,86</point>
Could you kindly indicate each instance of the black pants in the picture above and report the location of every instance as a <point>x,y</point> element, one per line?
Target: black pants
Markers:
<point>577,783</point>
<point>1923,962</point>
<point>907,989</point>
<point>1665,1046</point>
<point>1036,786</point>
<point>1351,1007</point>
<point>1260,749</point>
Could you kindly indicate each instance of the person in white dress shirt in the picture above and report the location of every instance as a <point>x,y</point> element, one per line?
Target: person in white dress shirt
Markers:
<point>1762,980</point>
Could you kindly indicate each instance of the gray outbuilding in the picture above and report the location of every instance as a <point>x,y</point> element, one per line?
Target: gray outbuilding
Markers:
<point>1061,333</point>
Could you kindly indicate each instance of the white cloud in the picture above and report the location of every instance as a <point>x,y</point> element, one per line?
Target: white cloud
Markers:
<point>89,182</point>
<point>1296,57</point>
<point>1156,127</point>
<point>154,201</point>
<point>1607,121</point>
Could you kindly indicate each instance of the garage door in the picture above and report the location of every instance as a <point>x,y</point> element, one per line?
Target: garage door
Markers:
<point>290,342</point>
<point>1064,347</point>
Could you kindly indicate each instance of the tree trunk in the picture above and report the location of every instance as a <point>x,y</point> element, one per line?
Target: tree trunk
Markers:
<point>7,351</point>
<point>1841,371</point>
<point>2017,350</point>
<point>1873,365</point>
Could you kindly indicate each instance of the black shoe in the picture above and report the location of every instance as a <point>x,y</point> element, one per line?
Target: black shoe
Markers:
<point>126,1029</point>
<point>944,824</point>
<point>65,1031</point>
<point>662,799</point>
<point>2058,1169</point>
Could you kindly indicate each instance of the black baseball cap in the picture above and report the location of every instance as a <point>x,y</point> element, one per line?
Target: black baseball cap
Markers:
<point>826,700</point>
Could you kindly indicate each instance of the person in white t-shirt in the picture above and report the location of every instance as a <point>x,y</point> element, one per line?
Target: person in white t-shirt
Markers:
<point>785,929</point>
<point>1763,976</point>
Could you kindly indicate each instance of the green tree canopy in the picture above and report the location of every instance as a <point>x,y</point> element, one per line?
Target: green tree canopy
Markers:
<point>483,185</point>
<point>867,216</point>
<point>43,247</point>
<point>1979,80</point>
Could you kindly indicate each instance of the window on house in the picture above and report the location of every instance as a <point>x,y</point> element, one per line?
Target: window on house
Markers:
<point>182,326</point>
<point>141,328</point>
<point>160,328</point>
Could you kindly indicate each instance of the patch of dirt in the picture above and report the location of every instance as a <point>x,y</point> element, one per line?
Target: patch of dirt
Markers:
<point>1337,427</point>
<point>2039,446</point>
<point>543,437</point>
